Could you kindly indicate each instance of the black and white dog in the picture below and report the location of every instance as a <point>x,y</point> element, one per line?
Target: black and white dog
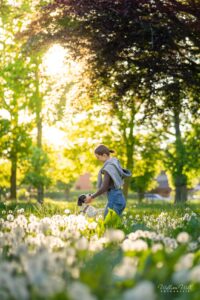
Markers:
<point>88,209</point>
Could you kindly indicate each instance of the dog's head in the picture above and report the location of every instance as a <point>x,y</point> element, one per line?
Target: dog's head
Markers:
<point>81,200</point>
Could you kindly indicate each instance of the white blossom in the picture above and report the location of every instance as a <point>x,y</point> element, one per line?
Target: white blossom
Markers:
<point>138,245</point>
<point>194,274</point>
<point>10,217</point>
<point>156,247</point>
<point>180,277</point>
<point>114,235</point>
<point>184,262</point>
<point>78,290</point>
<point>143,290</point>
<point>192,246</point>
<point>82,244</point>
<point>127,268</point>
<point>92,225</point>
<point>20,211</point>
<point>183,237</point>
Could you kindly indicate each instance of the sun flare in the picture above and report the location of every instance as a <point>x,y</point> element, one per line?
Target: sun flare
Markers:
<point>54,61</point>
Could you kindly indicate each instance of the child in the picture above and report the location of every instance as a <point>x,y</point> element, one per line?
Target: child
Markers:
<point>113,181</point>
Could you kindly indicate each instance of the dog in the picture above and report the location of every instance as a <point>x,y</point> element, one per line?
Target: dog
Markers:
<point>88,209</point>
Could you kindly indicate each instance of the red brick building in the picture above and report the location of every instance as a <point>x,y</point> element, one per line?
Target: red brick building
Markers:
<point>83,182</point>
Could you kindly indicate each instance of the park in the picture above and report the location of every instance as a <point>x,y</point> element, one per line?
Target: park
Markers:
<point>99,149</point>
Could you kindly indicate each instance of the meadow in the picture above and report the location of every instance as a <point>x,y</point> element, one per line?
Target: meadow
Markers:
<point>75,74</point>
<point>54,252</point>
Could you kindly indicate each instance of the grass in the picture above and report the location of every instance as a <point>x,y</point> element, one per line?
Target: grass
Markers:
<point>51,207</point>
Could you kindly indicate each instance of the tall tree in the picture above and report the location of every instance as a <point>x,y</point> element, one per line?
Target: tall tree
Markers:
<point>37,98</point>
<point>21,86</point>
<point>14,86</point>
<point>159,38</point>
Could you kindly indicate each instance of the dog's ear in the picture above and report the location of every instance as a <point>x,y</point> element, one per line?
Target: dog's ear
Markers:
<point>81,200</point>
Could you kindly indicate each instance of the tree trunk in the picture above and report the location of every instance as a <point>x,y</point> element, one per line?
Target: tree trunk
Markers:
<point>180,179</point>
<point>127,123</point>
<point>126,187</point>
<point>40,188</point>
<point>181,189</point>
<point>13,178</point>
<point>67,193</point>
<point>129,166</point>
<point>40,194</point>
<point>140,196</point>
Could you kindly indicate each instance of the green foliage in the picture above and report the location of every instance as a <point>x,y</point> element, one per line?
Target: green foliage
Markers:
<point>4,177</point>
<point>112,220</point>
<point>97,272</point>
<point>37,173</point>
<point>192,141</point>
<point>4,127</point>
<point>136,64</point>
<point>147,164</point>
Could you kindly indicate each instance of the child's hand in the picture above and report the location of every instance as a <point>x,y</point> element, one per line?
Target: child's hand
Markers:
<point>88,199</point>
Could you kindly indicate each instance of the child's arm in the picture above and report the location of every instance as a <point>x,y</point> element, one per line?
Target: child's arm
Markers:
<point>102,189</point>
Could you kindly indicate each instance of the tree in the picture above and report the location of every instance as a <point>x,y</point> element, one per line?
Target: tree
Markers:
<point>14,83</point>
<point>148,163</point>
<point>182,158</point>
<point>36,174</point>
<point>22,92</point>
<point>159,38</point>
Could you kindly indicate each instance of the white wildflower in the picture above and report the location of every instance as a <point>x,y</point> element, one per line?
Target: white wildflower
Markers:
<point>185,262</point>
<point>92,225</point>
<point>144,290</point>
<point>133,236</point>
<point>20,211</point>
<point>192,246</point>
<point>114,235</point>
<point>138,245</point>
<point>127,268</point>
<point>82,244</point>
<point>183,237</point>
<point>32,218</point>
<point>75,272</point>
<point>180,277</point>
<point>170,243</point>
<point>10,217</point>
<point>78,290</point>
<point>187,217</point>
<point>194,274</point>
<point>156,247</point>
<point>95,246</point>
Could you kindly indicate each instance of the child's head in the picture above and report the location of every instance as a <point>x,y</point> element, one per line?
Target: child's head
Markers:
<point>102,153</point>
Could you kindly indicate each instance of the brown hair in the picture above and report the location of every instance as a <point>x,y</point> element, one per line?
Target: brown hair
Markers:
<point>101,149</point>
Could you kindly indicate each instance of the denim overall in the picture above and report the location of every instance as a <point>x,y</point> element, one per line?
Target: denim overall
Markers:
<point>116,201</point>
